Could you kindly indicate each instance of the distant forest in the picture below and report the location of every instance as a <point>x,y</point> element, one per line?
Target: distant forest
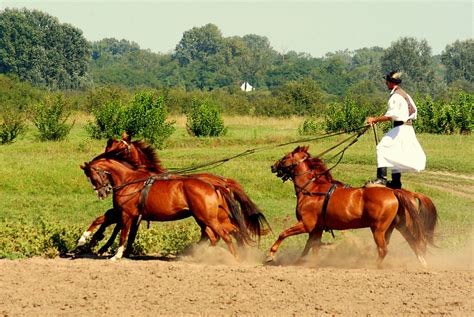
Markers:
<point>37,48</point>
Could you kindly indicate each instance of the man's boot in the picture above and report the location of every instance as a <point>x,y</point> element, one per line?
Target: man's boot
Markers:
<point>396,182</point>
<point>381,177</point>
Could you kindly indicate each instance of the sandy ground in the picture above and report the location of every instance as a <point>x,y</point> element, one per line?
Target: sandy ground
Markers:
<point>205,281</point>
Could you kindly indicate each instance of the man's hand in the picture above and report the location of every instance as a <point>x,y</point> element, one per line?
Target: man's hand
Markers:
<point>371,120</point>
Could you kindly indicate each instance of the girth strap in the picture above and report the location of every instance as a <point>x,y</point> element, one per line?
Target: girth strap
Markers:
<point>325,206</point>
<point>144,194</point>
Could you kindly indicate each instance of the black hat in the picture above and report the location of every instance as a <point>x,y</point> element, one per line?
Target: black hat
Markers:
<point>394,77</point>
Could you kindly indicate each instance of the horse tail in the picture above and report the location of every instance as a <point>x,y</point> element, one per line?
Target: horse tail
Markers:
<point>235,215</point>
<point>429,216</point>
<point>409,217</point>
<point>255,221</point>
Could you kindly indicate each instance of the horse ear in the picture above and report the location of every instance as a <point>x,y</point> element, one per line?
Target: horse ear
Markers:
<point>125,137</point>
<point>82,167</point>
<point>305,148</point>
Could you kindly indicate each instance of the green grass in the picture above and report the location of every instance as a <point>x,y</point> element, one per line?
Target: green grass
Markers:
<point>42,186</point>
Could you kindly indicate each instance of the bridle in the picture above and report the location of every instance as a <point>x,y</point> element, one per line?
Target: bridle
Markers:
<point>102,174</point>
<point>288,172</point>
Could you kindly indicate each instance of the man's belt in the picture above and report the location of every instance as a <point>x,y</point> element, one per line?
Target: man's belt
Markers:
<point>398,123</point>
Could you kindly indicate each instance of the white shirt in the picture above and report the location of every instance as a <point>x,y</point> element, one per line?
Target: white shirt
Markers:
<point>398,107</point>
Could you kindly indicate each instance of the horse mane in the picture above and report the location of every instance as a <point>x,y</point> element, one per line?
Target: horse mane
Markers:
<point>117,155</point>
<point>319,168</point>
<point>148,156</point>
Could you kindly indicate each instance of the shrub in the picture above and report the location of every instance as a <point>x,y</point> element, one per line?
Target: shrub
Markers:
<point>440,117</point>
<point>12,125</point>
<point>50,119</point>
<point>310,126</point>
<point>205,120</point>
<point>144,117</point>
<point>108,120</point>
<point>346,116</point>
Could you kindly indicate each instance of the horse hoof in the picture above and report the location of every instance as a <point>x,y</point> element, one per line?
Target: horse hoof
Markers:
<point>113,259</point>
<point>269,259</point>
<point>422,261</point>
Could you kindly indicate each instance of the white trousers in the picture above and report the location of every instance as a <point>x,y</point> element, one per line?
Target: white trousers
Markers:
<point>400,150</point>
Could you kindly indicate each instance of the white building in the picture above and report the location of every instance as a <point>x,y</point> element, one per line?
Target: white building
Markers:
<point>246,87</point>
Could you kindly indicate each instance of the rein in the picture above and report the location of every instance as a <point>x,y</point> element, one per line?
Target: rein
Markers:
<point>361,131</point>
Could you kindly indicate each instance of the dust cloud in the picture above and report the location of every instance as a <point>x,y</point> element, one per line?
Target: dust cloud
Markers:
<point>354,251</point>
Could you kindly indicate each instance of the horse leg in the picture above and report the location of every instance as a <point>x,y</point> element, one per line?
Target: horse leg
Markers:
<point>379,237</point>
<point>313,242</point>
<point>212,236</point>
<point>388,233</point>
<point>296,229</point>
<point>109,242</point>
<point>218,228</point>
<point>126,224</point>
<point>98,236</point>
<point>232,229</point>
<point>131,237</point>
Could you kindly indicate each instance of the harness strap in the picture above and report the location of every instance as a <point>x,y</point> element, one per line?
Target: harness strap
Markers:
<point>144,194</point>
<point>401,92</point>
<point>325,206</point>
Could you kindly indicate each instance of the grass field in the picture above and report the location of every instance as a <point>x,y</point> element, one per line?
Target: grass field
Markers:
<point>46,201</point>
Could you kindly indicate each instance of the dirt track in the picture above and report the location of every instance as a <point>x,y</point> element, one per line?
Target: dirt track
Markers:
<point>209,282</point>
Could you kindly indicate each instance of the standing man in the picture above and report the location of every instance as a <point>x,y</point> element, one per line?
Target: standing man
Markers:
<point>399,149</point>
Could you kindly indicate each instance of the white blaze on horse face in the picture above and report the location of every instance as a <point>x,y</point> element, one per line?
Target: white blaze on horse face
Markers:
<point>83,238</point>
<point>119,254</point>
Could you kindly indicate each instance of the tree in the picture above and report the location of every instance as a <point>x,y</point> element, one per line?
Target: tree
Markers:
<point>333,75</point>
<point>113,47</point>
<point>35,47</point>
<point>304,96</point>
<point>199,43</point>
<point>458,58</point>
<point>413,58</point>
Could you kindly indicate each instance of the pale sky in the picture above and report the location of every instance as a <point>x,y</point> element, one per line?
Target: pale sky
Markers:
<point>311,26</point>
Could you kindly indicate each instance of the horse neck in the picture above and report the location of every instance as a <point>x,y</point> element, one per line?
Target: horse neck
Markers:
<point>136,157</point>
<point>308,178</point>
<point>119,172</point>
<point>302,174</point>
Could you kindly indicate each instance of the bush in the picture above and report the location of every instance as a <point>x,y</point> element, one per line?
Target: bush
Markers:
<point>144,117</point>
<point>50,119</point>
<point>12,125</point>
<point>345,117</point>
<point>205,120</point>
<point>108,121</point>
<point>440,117</point>
<point>310,126</point>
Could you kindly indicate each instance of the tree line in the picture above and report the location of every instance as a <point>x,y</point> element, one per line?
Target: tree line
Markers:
<point>39,49</point>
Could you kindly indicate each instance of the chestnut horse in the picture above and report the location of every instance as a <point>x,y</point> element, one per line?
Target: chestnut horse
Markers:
<point>140,193</point>
<point>379,208</point>
<point>144,156</point>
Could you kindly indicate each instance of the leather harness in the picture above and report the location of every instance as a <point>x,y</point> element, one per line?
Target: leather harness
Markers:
<point>411,108</point>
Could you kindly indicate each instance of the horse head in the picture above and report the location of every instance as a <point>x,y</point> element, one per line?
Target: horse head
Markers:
<point>142,154</point>
<point>285,166</point>
<point>124,145</point>
<point>99,179</point>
